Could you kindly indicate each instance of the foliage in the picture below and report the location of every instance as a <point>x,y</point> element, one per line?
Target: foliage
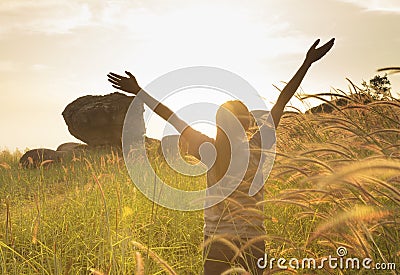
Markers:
<point>335,183</point>
<point>378,87</point>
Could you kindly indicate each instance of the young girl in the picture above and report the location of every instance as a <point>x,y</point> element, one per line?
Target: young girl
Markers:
<point>236,221</point>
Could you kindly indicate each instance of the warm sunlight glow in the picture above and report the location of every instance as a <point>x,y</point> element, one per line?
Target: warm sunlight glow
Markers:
<point>194,105</point>
<point>53,52</point>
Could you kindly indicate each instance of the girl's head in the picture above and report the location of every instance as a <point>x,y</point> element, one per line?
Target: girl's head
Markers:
<point>227,118</point>
<point>231,111</point>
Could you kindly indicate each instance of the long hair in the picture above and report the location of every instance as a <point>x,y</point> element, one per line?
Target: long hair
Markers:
<point>222,142</point>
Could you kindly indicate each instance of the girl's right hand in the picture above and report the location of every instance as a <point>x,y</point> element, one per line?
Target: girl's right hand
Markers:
<point>315,53</point>
<point>123,83</point>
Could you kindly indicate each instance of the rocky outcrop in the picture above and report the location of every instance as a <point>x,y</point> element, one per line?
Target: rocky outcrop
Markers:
<point>40,157</point>
<point>71,146</point>
<point>329,107</point>
<point>98,120</point>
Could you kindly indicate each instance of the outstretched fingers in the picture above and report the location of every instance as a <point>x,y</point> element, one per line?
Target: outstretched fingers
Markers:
<point>125,83</point>
<point>315,43</point>
<point>329,43</point>
<point>115,75</point>
<point>129,74</point>
<point>117,87</point>
<point>113,81</point>
<point>327,46</point>
<point>115,78</point>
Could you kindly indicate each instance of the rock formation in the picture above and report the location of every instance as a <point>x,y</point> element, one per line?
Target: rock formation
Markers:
<point>71,146</point>
<point>338,103</point>
<point>38,157</point>
<point>98,120</point>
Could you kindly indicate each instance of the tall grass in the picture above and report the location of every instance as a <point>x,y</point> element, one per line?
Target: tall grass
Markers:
<point>336,182</point>
<point>84,216</point>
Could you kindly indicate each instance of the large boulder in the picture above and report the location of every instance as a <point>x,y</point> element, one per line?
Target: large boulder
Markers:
<point>71,146</point>
<point>328,107</point>
<point>339,103</point>
<point>98,120</point>
<point>40,157</point>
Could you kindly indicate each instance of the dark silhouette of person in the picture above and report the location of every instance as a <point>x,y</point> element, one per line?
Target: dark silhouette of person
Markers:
<point>229,221</point>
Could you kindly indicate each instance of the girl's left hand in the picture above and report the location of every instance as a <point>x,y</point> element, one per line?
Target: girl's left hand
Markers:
<point>123,83</point>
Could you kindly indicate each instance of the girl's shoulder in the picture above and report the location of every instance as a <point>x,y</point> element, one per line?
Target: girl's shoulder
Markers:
<point>192,139</point>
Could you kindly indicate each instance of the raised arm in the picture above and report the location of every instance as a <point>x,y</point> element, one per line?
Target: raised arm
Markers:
<point>130,85</point>
<point>192,138</point>
<point>313,55</point>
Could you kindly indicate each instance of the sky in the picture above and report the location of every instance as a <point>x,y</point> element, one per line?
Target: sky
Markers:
<point>52,52</point>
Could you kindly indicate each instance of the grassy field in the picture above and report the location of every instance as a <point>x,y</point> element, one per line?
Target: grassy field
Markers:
<point>336,182</point>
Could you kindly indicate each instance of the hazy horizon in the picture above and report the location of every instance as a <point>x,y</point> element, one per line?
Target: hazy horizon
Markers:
<point>54,52</point>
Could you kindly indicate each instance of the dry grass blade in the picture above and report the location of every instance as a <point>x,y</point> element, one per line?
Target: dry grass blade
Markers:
<point>315,161</point>
<point>289,192</point>
<point>328,150</point>
<point>335,128</point>
<point>8,221</point>
<point>219,198</point>
<point>95,272</point>
<point>36,224</point>
<point>30,262</point>
<point>342,146</point>
<point>139,264</point>
<point>397,131</point>
<point>246,213</point>
<point>5,165</point>
<point>161,262</point>
<point>277,270</point>
<point>236,270</point>
<point>319,96</point>
<point>364,168</point>
<point>285,202</point>
<point>265,238</point>
<point>337,120</point>
<point>386,185</point>
<point>305,214</point>
<point>356,214</point>
<point>46,162</point>
<point>385,102</point>
<point>240,251</point>
<point>35,231</point>
<point>219,236</point>
<point>258,239</point>
<point>223,239</point>
<point>290,168</point>
<point>280,154</point>
<point>390,70</point>
<point>356,89</point>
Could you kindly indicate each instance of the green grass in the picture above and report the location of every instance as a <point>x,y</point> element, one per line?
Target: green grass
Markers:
<point>85,214</point>
<point>335,183</point>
